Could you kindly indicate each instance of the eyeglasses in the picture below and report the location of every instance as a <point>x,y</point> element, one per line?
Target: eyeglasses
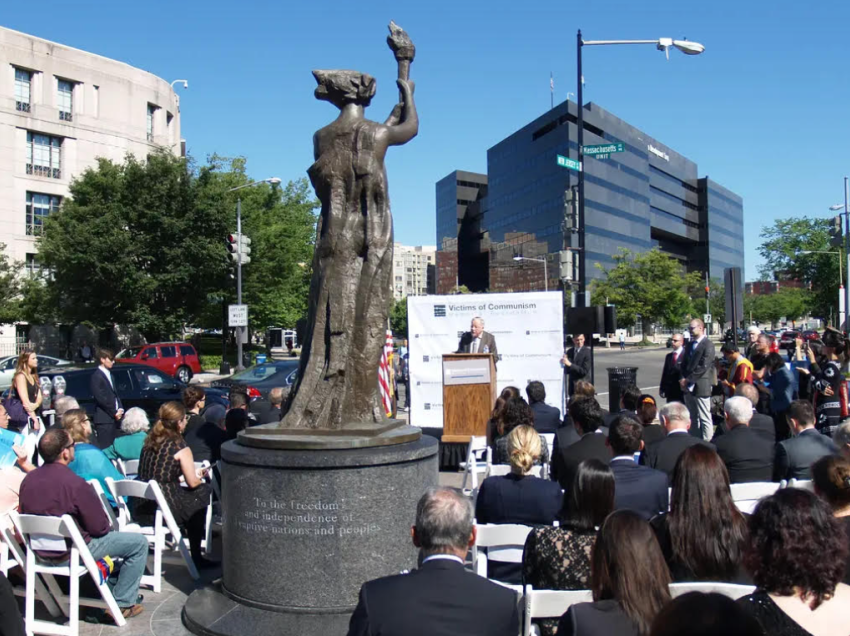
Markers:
<point>71,445</point>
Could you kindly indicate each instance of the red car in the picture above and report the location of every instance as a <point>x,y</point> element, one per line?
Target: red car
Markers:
<point>177,359</point>
<point>788,339</point>
<point>811,335</point>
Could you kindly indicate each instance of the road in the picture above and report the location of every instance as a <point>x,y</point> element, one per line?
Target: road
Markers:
<point>648,361</point>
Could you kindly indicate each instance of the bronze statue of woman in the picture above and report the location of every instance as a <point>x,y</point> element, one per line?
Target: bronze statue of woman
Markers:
<point>350,292</point>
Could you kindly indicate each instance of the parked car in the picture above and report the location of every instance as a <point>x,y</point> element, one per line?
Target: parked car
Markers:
<point>136,384</point>
<point>177,359</point>
<point>811,334</point>
<point>788,338</point>
<point>7,367</point>
<point>262,378</point>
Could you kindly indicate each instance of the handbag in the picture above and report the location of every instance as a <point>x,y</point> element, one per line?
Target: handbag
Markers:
<point>18,417</point>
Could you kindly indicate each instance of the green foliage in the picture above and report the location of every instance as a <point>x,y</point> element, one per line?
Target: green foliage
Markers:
<point>782,244</point>
<point>790,304</point>
<point>652,285</point>
<point>398,318</point>
<point>10,300</point>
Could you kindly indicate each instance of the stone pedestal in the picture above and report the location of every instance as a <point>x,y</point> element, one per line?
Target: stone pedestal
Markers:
<point>305,527</point>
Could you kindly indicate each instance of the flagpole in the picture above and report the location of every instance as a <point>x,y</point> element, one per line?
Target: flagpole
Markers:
<point>551,90</point>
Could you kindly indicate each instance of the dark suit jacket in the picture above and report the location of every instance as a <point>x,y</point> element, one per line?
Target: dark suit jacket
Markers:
<point>566,461</point>
<point>670,376</point>
<point>547,419</point>
<point>764,426</point>
<point>441,598</point>
<point>748,456</point>
<point>487,340</point>
<point>664,454</point>
<point>580,368</point>
<point>795,456</point>
<point>602,618</point>
<point>653,433</point>
<point>639,488</point>
<point>104,398</point>
<point>696,367</point>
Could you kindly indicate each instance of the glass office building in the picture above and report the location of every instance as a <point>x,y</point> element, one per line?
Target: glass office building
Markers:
<point>646,196</point>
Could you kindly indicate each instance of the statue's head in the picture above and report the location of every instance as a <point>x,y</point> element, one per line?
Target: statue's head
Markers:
<point>344,87</point>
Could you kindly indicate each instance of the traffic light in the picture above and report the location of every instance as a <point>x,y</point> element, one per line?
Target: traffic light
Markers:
<point>233,246</point>
<point>836,238</point>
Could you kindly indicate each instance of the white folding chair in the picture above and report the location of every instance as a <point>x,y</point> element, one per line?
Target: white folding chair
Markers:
<point>12,555</point>
<point>40,532</point>
<point>128,467</point>
<point>747,495</point>
<point>504,542</point>
<point>164,524</point>
<point>549,604</point>
<point>478,458</point>
<point>104,502</point>
<point>732,590</point>
<point>802,484</point>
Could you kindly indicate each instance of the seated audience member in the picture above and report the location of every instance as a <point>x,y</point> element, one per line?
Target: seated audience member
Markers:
<point>781,391</point>
<point>638,488</point>
<point>841,438</point>
<point>441,596</point>
<point>62,405</point>
<point>795,456</point>
<point>584,388</point>
<point>647,415</point>
<point>235,421</point>
<point>206,439</point>
<point>628,578</point>
<point>195,400</point>
<point>89,461</point>
<point>831,476</point>
<point>547,419</point>
<point>239,400</point>
<point>704,535</point>
<point>273,415</point>
<point>586,417</point>
<point>12,476</point>
<point>54,490</point>
<point>517,413</point>
<point>663,455</point>
<point>518,497</point>
<point>496,424</point>
<point>762,424</point>
<point>11,621</point>
<point>748,456</point>
<point>699,614</point>
<point>629,402</point>
<point>558,558</point>
<point>797,555</point>
<point>135,427</point>
<point>166,458</point>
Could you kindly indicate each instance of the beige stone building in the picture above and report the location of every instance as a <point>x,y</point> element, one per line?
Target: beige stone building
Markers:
<point>414,272</point>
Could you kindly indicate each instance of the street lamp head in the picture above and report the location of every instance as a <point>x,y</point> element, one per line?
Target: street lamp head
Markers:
<point>518,258</point>
<point>184,82</point>
<point>273,180</point>
<point>689,48</point>
<point>833,208</point>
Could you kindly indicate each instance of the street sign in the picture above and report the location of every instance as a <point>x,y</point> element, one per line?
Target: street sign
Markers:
<point>602,149</point>
<point>566,162</point>
<point>706,318</point>
<point>237,315</point>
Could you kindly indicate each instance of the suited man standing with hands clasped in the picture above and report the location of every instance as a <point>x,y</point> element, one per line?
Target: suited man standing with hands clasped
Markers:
<point>108,408</point>
<point>696,379</point>
<point>576,362</point>
<point>670,389</point>
<point>476,340</point>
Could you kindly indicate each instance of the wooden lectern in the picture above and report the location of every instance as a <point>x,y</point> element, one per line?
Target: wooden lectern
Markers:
<point>469,393</point>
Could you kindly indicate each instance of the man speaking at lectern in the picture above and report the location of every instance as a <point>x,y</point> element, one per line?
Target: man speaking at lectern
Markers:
<point>476,340</point>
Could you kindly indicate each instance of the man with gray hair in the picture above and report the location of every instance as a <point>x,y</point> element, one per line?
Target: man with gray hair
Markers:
<point>748,456</point>
<point>61,406</point>
<point>441,597</point>
<point>476,340</point>
<point>663,454</point>
<point>841,437</point>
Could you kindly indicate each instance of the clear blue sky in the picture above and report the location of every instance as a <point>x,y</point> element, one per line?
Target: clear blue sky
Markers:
<point>764,111</point>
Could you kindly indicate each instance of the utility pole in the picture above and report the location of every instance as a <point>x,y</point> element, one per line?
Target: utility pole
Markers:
<point>580,141</point>
<point>846,326</point>
<point>239,332</point>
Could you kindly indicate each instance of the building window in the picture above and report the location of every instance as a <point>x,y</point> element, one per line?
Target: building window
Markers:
<point>23,90</point>
<point>65,100</point>
<point>169,120</point>
<point>32,265</point>
<point>151,110</point>
<point>39,207</point>
<point>43,155</point>
<point>96,100</point>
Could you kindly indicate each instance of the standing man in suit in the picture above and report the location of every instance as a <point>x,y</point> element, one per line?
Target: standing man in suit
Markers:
<point>795,456</point>
<point>567,455</point>
<point>663,454</point>
<point>476,340</point>
<point>638,488</point>
<point>696,379</point>
<point>547,419</point>
<point>441,597</point>
<point>576,362</point>
<point>669,387</point>
<point>108,409</point>
<point>747,455</point>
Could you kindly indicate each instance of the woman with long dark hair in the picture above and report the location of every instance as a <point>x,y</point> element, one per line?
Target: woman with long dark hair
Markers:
<point>704,535</point>
<point>26,388</point>
<point>831,476</point>
<point>796,555</point>
<point>496,425</point>
<point>516,413</point>
<point>628,578</point>
<point>558,558</point>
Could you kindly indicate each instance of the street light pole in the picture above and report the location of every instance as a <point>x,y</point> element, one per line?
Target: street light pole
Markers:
<point>582,257</point>
<point>846,326</point>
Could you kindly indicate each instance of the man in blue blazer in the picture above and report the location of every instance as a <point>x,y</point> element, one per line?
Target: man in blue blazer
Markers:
<point>547,419</point>
<point>795,456</point>
<point>638,488</point>
<point>108,409</point>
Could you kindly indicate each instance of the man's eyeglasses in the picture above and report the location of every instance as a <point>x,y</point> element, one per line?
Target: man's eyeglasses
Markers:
<point>71,445</point>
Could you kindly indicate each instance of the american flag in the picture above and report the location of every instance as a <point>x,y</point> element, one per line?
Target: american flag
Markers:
<point>385,370</point>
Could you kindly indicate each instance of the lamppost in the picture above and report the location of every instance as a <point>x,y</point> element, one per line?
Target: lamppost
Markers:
<point>662,44</point>
<point>545,267</point>
<point>841,312</point>
<point>846,207</point>
<point>240,331</point>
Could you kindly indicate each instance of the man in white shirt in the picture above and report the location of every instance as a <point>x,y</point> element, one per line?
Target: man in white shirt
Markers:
<point>476,340</point>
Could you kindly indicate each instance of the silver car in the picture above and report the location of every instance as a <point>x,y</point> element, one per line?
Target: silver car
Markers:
<point>7,367</point>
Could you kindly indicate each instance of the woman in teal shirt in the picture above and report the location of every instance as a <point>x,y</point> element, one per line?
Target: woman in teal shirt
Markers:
<point>135,427</point>
<point>89,461</point>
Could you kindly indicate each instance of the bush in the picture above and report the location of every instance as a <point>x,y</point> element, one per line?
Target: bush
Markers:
<point>211,362</point>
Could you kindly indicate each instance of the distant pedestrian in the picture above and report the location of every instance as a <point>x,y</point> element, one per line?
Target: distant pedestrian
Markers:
<point>622,338</point>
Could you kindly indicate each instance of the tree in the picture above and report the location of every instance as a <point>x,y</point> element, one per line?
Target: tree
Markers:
<point>398,318</point>
<point>787,303</point>
<point>782,244</point>
<point>652,285</point>
<point>10,298</point>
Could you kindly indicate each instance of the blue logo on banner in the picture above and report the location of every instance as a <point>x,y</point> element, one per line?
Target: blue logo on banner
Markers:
<point>439,311</point>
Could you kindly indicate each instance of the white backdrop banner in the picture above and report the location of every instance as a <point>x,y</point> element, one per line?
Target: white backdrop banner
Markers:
<point>529,332</point>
